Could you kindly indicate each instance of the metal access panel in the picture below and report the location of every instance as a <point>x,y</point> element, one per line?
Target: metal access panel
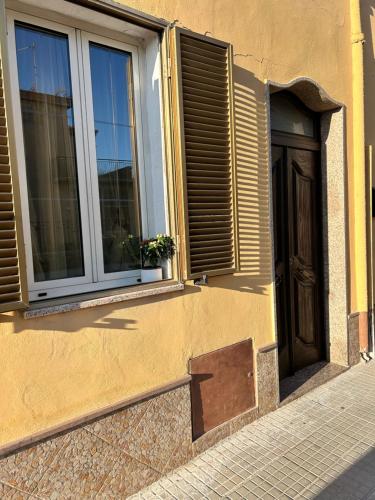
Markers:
<point>222,386</point>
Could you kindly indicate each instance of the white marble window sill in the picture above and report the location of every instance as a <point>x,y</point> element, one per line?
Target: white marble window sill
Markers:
<point>83,302</point>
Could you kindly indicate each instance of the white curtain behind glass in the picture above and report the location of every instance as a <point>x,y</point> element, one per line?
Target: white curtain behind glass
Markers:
<point>48,129</point>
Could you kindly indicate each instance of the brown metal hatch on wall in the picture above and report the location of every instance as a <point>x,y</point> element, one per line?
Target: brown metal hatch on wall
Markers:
<point>222,386</point>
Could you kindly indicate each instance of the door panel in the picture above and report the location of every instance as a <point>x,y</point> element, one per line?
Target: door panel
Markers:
<point>305,328</point>
<point>303,192</point>
<point>280,218</point>
<point>297,250</point>
<point>305,250</point>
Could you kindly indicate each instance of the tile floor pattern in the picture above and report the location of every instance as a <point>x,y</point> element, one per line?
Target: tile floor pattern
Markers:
<point>319,446</point>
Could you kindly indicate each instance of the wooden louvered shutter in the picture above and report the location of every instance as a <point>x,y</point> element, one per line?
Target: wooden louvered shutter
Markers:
<point>10,288</point>
<point>203,128</point>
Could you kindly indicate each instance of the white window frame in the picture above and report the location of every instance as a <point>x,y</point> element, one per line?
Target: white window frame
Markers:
<point>94,277</point>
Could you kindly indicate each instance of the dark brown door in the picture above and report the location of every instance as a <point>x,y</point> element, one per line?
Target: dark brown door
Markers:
<point>298,249</point>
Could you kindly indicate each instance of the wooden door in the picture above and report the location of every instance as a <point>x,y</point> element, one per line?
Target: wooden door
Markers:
<point>297,250</point>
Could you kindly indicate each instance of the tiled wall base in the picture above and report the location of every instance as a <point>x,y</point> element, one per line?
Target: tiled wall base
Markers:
<point>267,379</point>
<point>363,331</point>
<point>111,457</point>
<point>224,430</point>
<point>353,339</point>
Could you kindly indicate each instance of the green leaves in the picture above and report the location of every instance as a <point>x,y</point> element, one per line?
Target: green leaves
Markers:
<point>157,249</point>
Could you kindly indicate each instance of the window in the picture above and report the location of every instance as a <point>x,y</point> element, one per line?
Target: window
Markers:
<point>87,149</point>
<point>287,117</point>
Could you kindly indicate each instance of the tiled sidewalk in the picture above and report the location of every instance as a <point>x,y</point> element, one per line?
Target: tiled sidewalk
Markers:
<point>319,446</point>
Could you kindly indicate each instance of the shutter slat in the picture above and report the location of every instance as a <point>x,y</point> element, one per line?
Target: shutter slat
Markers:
<point>209,257</point>
<point>6,280</point>
<point>208,75</point>
<point>8,271</point>
<point>7,243</point>
<point>218,109</point>
<point>8,252</point>
<point>209,269</point>
<point>195,112</point>
<point>5,178</point>
<point>222,244</point>
<point>198,125</point>
<point>5,188</point>
<point>205,121</point>
<point>7,225</point>
<point>198,56</point>
<point>206,85</point>
<point>10,288</point>
<point>4,160</point>
<point>211,51</point>
<point>202,260</point>
<point>207,165</point>
<point>9,298</point>
<point>8,261</point>
<point>6,214</point>
<point>208,135</point>
<point>6,206</point>
<point>209,225</point>
<point>4,169</point>
<point>198,157</point>
<point>210,197</point>
<point>220,174</point>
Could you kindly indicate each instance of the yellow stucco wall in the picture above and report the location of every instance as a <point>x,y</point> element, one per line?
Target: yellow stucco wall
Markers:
<point>59,367</point>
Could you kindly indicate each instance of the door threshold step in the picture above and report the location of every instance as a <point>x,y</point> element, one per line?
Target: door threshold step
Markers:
<point>307,379</point>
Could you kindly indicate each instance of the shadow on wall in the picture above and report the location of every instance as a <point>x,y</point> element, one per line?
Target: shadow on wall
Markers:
<point>253,188</point>
<point>100,318</point>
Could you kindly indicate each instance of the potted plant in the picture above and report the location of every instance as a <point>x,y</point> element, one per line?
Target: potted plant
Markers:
<point>130,249</point>
<point>154,251</point>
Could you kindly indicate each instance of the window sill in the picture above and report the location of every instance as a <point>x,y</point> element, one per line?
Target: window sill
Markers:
<point>83,302</point>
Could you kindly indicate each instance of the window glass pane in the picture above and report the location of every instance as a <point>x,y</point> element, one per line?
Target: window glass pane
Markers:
<point>51,167</point>
<point>116,165</point>
<point>286,116</point>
